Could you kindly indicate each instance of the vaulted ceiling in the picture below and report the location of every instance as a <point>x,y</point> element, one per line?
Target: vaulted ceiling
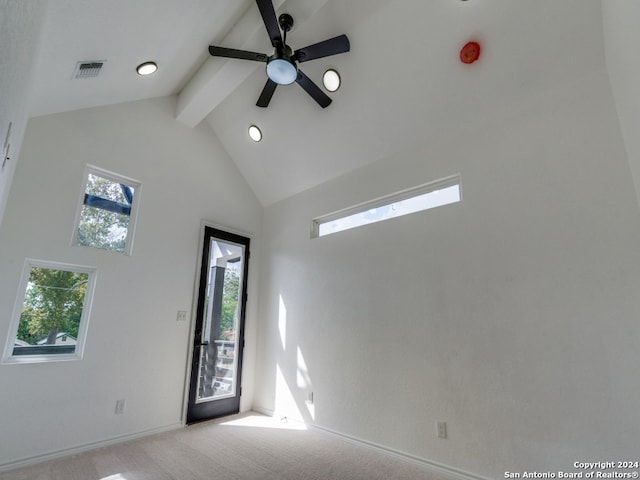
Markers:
<point>403,81</point>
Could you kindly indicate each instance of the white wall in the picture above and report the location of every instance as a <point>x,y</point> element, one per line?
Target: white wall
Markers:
<point>135,348</point>
<point>20,24</point>
<point>621,37</point>
<point>512,316</point>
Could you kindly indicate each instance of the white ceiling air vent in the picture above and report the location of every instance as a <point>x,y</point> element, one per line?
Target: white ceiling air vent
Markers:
<point>88,69</point>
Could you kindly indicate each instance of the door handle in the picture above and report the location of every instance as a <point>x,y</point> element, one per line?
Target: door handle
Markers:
<point>202,344</point>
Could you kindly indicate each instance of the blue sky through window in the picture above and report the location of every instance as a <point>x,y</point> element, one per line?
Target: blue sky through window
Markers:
<point>403,206</point>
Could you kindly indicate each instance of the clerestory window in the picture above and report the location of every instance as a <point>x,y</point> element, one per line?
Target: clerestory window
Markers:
<point>416,199</point>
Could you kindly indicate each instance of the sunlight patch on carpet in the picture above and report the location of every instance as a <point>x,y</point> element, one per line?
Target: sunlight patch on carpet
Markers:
<point>262,421</point>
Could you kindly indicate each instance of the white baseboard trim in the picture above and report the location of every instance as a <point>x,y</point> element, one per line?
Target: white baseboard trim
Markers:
<point>263,411</point>
<point>446,470</point>
<point>442,469</point>
<point>439,468</point>
<point>28,461</point>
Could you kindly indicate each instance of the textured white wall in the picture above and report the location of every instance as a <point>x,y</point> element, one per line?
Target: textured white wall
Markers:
<point>20,24</point>
<point>135,348</point>
<point>621,36</point>
<point>512,316</point>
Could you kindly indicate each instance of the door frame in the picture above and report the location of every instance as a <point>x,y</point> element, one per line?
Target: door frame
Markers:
<point>204,224</point>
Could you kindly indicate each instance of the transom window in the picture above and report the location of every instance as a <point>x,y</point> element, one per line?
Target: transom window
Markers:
<point>107,211</point>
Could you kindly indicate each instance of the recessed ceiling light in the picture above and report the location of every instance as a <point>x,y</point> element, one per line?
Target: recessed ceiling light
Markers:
<point>331,80</point>
<point>255,133</point>
<point>146,68</point>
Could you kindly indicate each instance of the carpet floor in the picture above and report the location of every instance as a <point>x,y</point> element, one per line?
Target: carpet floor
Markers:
<point>243,447</point>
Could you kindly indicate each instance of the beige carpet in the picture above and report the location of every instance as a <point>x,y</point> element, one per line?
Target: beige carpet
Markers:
<point>245,447</point>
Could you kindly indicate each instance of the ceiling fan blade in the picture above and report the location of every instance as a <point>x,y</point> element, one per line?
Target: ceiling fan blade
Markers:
<point>332,46</point>
<point>312,89</point>
<point>270,22</point>
<point>267,93</point>
<point>241,54</point>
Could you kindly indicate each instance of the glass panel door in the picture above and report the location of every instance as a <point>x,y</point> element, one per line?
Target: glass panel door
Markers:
<point>218,341</point>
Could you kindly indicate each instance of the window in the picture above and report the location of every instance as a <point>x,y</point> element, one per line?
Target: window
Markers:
<point>51,313</point>
<point>416,199</point>
<point>107,211</point>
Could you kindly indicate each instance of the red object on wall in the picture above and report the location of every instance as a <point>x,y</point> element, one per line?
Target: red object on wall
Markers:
<point>470,52</point>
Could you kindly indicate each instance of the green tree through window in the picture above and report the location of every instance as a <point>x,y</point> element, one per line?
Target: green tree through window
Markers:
<point>99,227</point>
<point>53,304</point>
<point>229,303</point>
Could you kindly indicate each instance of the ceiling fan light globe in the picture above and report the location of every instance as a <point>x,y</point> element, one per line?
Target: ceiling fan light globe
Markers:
<point>282,71</point>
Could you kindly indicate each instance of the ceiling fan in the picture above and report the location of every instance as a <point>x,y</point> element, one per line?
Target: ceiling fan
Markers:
<point>282,66</point>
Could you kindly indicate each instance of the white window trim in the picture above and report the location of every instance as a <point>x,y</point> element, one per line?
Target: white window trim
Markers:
<point>29,263</point>
<point>385,200</point>
<point>116,178</point>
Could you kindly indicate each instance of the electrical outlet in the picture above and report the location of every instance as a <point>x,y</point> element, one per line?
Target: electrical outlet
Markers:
<point>442,429</point>
<point>182,315</point>
<point>120,404</point>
